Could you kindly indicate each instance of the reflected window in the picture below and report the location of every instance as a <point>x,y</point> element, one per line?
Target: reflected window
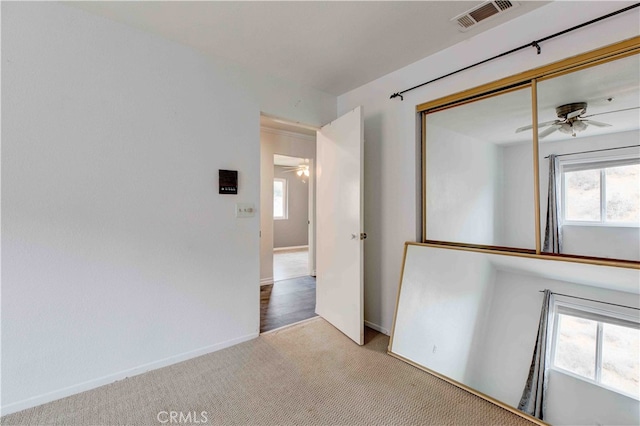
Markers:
<point>601,192</point>
<point>576,345</point>
<point>602,348</point>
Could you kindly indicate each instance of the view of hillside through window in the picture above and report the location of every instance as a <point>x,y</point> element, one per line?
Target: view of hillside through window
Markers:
<point>578,342</point>
<point>603,195</point>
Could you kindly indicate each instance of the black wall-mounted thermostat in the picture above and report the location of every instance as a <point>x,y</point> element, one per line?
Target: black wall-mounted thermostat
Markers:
<point>228,181</point>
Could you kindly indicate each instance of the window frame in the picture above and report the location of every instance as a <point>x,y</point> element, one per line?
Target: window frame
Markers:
<point>599,163</point>
<point>579,310</point>
<point>285,199</point>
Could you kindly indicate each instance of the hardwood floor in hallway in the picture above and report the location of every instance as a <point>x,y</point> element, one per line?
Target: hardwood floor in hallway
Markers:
<point>286,302</point>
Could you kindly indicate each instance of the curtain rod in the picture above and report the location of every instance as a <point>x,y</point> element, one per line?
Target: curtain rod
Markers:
<point>595,150</point>
<point>592,300</point>
<point>535,43</point>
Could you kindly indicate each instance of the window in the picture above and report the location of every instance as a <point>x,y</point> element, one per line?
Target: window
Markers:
<point>279,198</point>
<point>600,347</point>
<point>601,192</point>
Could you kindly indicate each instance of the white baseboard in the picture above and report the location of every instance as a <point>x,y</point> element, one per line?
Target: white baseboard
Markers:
<point>376,327</point>
<point>266,281</point>
<point>290,248</point>
<point>105,380</point>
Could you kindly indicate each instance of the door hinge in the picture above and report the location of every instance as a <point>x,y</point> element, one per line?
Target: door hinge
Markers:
<point>363,235</point>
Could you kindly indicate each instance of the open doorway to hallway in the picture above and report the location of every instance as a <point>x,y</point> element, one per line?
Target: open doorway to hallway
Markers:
<point>287,221</point>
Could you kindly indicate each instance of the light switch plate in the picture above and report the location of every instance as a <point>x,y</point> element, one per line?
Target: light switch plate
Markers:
<point>245,210</point>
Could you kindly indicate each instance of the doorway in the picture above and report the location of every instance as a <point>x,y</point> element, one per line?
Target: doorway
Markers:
<point>338,250</point>
<point>287,205</point>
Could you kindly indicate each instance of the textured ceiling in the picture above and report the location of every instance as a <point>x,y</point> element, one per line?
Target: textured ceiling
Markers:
<point>333,46</point>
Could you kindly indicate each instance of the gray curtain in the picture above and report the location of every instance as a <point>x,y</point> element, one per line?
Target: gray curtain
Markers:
<point>553,230</point>
<point>534,399</point>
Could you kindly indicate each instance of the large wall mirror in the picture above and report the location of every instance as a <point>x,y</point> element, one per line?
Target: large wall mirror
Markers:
<point>572,188</point>
<point>589,134</point>
<point>473,317</point>
<point>479,173</point>
<point>531,237</point>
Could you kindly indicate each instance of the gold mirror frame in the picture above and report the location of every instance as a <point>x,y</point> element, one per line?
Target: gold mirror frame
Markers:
<point>528,78</point>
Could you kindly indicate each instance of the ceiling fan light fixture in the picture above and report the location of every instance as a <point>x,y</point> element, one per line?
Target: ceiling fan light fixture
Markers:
<point>566,128</point>
<point>572,127</point>
<point>303,171</point>
<point>579,125</point>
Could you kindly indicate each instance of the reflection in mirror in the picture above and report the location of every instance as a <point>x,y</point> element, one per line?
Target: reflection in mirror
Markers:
<point>587,118</point>
<point>479,173</point>
<point>473,317</point>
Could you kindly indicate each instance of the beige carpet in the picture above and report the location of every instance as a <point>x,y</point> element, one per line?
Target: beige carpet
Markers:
<point>308,374</point>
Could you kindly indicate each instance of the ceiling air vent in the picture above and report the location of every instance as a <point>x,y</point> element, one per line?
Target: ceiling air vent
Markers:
<point>482,12</point>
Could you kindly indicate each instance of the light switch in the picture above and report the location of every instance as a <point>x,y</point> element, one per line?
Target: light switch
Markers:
<point>245,210</point>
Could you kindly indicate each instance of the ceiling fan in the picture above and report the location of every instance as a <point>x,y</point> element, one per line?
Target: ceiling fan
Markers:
<point>301,170</point>
<point>571,120</point>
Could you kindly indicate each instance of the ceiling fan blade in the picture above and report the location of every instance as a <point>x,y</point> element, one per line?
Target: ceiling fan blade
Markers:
<point>576,113</point>
<point>597,123</point>
<point>547,132</point>
<point>545,124</point>
<point>523,128</point>
<point>611,112</point>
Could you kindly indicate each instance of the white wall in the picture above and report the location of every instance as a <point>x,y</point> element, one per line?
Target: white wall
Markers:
<point>518,224</point>
<point>294,230</point>
<point>609,241</point>
<point>464,202</point>
<point>391,176</point>
<point>504,358</point>
<point>118,254</point>
<point>284,143</point>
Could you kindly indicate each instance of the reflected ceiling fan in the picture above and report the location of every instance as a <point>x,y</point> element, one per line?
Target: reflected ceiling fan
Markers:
<point>571,120</point>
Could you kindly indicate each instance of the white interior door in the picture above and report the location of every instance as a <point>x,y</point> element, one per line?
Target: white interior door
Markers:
<point>339,224</point>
